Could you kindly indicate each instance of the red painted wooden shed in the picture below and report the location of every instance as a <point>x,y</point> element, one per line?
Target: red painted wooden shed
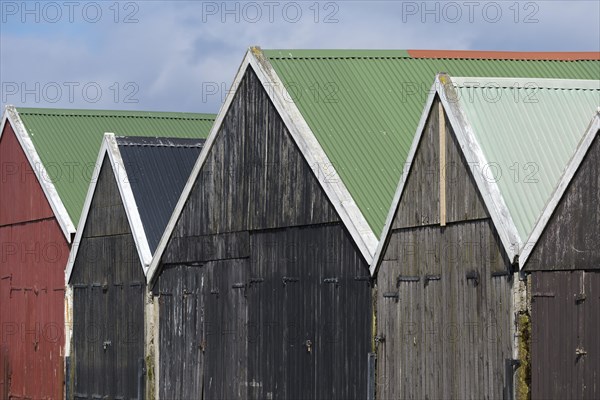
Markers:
<point>35,232</point>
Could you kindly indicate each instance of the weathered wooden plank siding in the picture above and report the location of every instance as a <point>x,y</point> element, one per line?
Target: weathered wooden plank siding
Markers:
<point>444,335</point>
<point>570,239</point>
<point>270,246</point>
<point>108,300</point>
<point>590,363</point>
<point>309,313</point>
<point>422,186</point>
<point>186,298</point>
<point>443,293</point>
<point>565,327</point>
<point>254,177</point>
<point>22,198</point>
<point>226,371</point>
<point>33,255</point>
<point>566,292</point>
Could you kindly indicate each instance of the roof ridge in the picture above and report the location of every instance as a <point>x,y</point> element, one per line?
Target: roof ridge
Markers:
<point>526,83</point>
<point>390,54</point>
<point>183,146</point>
<point>119,116</point>
<point>151,141</point>
<point>72,112</point>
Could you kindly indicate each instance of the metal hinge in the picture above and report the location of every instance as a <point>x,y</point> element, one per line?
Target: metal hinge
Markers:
<point>402,278</point>
<point>288,279</point>
<point>391,295</point>
<point>474,276</point>
<point>428,278</point>
<point>542,294</point>
<point>580,298</point>
<point>80,286</point>
<point>332,280</point>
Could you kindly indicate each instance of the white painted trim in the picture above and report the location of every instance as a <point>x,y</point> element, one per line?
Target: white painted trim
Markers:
<point>129,203</point>
<point>571,169</point>
<point>314,154</point>
<point>85,211</point>
<point>162,244</point>
<point>306,142</point>
<point>109,148</point>
<point>58,208</point>
<point>587,84</point>
<point>490,192</point>
<point>400,189</point>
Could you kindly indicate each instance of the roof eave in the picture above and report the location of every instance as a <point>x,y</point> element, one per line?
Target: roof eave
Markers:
<point>572,167</point>
<point>304,138</point>
<point>154,269</point>
<point>403,178</point>
<point>110,148</point>
<point>315,155</point>
<point>489,190</point>
<point>11,115</point>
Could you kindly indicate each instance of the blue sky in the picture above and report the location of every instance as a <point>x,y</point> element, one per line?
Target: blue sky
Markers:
<point>182,56</point>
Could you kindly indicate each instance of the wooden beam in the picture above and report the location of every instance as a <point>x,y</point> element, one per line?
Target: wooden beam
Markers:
<point>442,131</point>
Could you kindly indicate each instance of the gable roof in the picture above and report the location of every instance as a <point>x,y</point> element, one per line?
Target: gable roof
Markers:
<point>363,106</point>
<point>534,124</point>
<point>157,170</point>
<point>591,132</point>
<point>61,144</point>
<point>56,204</point>
<point>150,174</point>
<point>359,128</point>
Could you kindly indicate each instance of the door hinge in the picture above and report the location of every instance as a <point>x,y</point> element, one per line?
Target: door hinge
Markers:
<point>391,295</point>
<point>474,276</point>
<point>402,278</point>
<point>288,279</point>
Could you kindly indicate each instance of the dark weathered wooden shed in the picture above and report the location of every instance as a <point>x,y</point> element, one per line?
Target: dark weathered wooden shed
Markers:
<point>46,162</point>
<point>562,259</point>
<point>261,273</point>
<point>264,265</point>
<point>449,297</point>
<point>138,183</point>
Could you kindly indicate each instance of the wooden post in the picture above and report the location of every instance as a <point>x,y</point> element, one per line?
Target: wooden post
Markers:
<point>442,128</point>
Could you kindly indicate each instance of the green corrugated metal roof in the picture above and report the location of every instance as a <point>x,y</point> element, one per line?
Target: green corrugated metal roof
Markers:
<point>528,130</point>
<point>68,141</point>
<point>364,107</point>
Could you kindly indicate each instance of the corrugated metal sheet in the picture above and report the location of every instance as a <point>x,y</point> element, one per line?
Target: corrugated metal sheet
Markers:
<point>528,129</point>
<point>158,169</point>
<point>364,107</point>
<point>67,141</point>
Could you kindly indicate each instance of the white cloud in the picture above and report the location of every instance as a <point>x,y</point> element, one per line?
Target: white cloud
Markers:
<point>177,47</point>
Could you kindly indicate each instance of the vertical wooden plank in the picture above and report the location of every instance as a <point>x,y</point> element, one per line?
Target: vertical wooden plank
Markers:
<point>591,344</point>
<point>443,343</point>
<point>108,314</point>
<point>442,172</point>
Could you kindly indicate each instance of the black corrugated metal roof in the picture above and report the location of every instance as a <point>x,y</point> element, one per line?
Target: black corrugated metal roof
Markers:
<point>157,169</point>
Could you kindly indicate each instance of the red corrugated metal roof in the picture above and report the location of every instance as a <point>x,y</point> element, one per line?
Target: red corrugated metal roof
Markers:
<point>506,55</point>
